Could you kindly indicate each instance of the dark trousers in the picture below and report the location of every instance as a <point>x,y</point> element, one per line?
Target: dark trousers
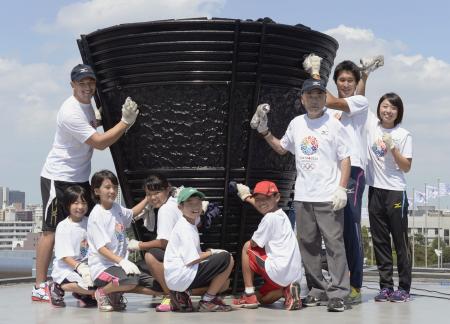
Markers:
<point>388,215</point>
<point>352,226</point>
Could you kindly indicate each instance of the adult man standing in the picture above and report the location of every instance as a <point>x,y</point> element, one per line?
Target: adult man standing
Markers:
<point>351,108</point>
<point>69,161</point>
<point>322,154</point>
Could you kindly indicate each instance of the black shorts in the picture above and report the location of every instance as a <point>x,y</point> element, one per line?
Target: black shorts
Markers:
<point>53,201</point>
<point>118,276</point>
<point>210,268</point>
<point>157,253</point>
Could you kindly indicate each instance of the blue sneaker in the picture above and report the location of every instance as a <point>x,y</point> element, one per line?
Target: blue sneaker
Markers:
<point>384,295</point>
<point>400,296</point>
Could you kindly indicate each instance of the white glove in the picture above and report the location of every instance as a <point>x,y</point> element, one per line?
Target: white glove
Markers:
<point>83,270</point>
<point>177,191</point>
<point>217,251</point>
<point>129,267</point>
<point>133,245</point>
<point>311,64</point>
<point>259,119</point>
<point>129,112</point>
<point>339,198</point>
<point>388,141</point>
<point>98,116</point>
<point>243,191</point>
<point>205,205</point>
<point>370,64</point>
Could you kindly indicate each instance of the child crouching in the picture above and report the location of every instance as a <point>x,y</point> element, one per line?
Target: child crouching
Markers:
<point>186,267</point>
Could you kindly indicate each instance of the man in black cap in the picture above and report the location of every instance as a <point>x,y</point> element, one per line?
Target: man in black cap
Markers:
<point>322,155</point>
<point>69,161</point>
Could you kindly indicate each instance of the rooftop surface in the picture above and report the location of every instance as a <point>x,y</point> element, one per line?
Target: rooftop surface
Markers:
<point>430,304</point>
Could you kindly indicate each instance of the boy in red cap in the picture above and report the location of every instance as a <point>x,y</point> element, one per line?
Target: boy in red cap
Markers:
<point>272,253</point>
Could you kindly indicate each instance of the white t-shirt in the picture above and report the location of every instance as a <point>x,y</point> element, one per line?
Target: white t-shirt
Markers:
<point>318,145</point>
<point>70,157</point>
<point>107,228</point>
<point>275,235</point>
<point>70,241</point>
<point>382,170</point>
<point>168,216</point>
<point>355,124</point>
<point>182,249</point>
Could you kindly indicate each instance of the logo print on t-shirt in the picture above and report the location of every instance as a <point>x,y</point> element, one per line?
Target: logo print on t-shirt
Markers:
<point>309,145</point>
<point>84,248</point>
<point>379,148</point>
<point>120,232</point>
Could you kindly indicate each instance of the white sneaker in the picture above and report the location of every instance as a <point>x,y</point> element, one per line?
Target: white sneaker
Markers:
<point>41,293</point>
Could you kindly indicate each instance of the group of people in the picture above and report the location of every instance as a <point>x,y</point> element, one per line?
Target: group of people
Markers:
<point>339,146</point>
<point>336,144</point>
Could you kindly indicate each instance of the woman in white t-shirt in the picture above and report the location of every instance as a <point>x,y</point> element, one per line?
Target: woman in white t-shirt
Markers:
<point>109,266</point>
<point>70,270</point>
<point>390,157</point>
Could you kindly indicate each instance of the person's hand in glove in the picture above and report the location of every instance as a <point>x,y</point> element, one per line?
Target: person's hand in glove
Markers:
<point>388,141</point>
<point>83,270</point>
<point>133,245</point>
<point>217,251</point>
<point>98,116</point>
<point>311,64</point>
<point>129,267</point>
<point>259,120</point>
<point>129,112</point>
<point>339,198</point>
<point>370,64</point>
<point>243,191</point>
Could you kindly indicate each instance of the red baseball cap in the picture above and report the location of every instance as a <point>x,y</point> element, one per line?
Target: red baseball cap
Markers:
<point>266,188</point>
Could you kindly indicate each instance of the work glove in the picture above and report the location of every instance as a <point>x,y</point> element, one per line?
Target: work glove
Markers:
<point>370,64</point>
<point>129,267</point>
<point>205,204</point>
<point>133,245</point>
<point>217,251</point>
<point>259,120</point>
<point>98,116</point>
<point>243,191</point>
<point>388,141</point>
<point>339,198</point>
<point>83,270</point>
<point>311,64</point>
<point>129,112</point>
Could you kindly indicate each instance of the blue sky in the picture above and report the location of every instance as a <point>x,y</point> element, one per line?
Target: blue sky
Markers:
<point>38,49</point>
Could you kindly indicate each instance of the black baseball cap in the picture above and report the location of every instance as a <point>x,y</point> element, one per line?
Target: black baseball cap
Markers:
<point>82,71</point>
<point>311,84</point>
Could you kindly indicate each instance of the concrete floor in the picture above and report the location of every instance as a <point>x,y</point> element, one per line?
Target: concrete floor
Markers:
<point>16,307</point>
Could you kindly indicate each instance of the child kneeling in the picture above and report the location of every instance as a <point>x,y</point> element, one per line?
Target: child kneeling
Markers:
<point>186,267</point>
<point>70,270</point>
<point>108,260</point>
<point>272,253</point>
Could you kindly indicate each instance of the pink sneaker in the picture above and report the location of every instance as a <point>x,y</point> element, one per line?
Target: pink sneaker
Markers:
<point>164,306</point>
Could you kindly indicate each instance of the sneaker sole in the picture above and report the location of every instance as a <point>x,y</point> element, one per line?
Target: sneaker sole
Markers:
<point>296,303</point>
<point>37,299</point>
<point>248,306</point>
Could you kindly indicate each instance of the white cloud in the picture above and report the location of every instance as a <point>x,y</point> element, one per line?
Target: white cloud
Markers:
<point>87,16</point>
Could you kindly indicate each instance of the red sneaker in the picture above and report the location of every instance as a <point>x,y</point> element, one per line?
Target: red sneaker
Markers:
<point>291,295</point>
<point>246,301</point>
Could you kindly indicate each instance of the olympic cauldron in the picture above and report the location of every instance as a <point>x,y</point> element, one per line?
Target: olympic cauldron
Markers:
<point>197,83</point>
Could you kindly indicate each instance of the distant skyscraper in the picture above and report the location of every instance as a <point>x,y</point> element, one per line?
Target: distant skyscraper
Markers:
<point>4,196</point>
<point>16,196</point>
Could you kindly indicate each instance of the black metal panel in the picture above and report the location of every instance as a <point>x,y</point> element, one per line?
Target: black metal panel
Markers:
<point>197,83</point>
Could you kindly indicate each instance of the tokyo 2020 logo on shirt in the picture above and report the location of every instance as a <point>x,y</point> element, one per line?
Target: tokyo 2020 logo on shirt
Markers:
<point>309,145</point>
<point>379,148</point>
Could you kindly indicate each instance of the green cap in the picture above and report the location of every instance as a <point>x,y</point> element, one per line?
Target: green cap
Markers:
<point>187,193</point>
